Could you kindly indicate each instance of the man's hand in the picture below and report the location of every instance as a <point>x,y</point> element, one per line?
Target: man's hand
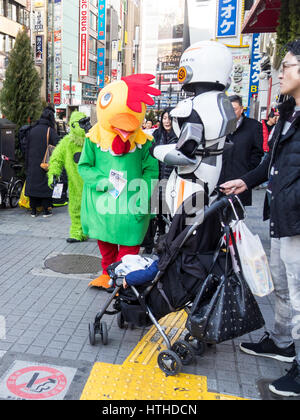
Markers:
<point>237,186</point>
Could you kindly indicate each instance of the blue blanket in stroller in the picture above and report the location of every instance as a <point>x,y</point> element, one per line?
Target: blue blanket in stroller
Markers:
<point>182,272</point>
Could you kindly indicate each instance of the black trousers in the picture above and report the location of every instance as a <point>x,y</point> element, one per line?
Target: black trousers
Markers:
<point>40,202</point>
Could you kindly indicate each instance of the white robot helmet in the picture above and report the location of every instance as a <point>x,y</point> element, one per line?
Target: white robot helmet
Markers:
<point>205,62</point>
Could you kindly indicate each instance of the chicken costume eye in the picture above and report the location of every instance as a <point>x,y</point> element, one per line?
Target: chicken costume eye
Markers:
<point>106,100</point>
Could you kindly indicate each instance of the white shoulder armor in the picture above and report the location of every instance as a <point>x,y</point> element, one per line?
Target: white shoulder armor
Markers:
<point>216,113</point>
<point>183,109</point>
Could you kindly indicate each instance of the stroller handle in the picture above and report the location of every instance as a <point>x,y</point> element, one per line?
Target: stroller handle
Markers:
<point>200,217</point>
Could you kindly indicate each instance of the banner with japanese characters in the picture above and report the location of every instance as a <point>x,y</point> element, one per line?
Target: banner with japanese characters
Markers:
<point>101,68</point>
<point>240,74</point>
<point>101,20</point>
<point>39,59</point>
<point>255,67</point>
<point>83,37</point>
<point>227,18</point>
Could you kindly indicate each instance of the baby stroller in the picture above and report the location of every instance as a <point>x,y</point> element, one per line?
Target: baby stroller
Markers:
<point>187,254</point>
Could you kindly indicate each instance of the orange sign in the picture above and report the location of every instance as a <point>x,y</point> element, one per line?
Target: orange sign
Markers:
<point>182,74</point>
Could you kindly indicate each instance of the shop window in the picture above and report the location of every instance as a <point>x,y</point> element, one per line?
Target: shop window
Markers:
<point>92,68</point>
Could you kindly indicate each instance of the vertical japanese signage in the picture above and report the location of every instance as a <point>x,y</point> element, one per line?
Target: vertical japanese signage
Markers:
<point>240,73</point>
<point>227,18</point>
<point>255,67</point>
<point>101,68</point>
<point>83,37</point>
<point>101,20</point>
<point>54,48</point>
<point>57,50</point>
<point>39,49</point>
<point>101,37</point>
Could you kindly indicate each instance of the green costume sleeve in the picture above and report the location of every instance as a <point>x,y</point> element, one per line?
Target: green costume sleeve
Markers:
<point>57,160</point>
<point>146,186</point>
<point>150,169</point>
<point>87,170</point>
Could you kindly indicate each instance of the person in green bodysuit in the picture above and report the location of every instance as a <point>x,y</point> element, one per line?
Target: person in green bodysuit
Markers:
<point>66,155</point>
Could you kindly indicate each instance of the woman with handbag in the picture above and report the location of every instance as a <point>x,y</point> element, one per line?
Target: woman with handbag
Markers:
<point>41,135</point>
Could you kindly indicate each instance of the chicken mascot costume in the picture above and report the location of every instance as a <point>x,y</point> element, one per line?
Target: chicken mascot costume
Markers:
<point>118,171</point>
<point>66,155</point>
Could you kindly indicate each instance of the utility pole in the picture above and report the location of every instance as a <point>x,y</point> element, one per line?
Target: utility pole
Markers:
<point>159,81</point>
<point>170,94</point>
<point>70,84</point>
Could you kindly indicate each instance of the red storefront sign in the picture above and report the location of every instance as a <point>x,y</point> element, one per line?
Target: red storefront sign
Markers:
<point>83,37</point>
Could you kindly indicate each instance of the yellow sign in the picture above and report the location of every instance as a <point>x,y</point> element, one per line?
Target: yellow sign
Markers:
<point>182,74</point>
<point>39,3</point>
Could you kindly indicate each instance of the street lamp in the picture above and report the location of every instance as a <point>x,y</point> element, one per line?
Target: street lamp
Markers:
<point>159,73</point>
<point>170,91</point>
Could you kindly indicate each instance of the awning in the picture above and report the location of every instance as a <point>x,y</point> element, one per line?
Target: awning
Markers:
<point>263,17</point>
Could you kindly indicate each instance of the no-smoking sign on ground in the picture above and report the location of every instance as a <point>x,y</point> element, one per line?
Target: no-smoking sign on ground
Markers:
<point>32,381</point>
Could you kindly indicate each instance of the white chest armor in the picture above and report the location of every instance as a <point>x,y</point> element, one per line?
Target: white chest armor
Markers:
<point>204,121</point>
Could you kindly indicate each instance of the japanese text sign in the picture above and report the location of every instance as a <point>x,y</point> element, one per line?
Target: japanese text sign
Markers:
<point>255,66</point>
<point>101,20</point>
<point>101,68</point>
<point>83,37</point>
<point>227,18</point>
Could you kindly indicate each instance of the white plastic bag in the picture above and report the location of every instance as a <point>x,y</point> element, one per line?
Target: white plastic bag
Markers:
<point>253,260</point>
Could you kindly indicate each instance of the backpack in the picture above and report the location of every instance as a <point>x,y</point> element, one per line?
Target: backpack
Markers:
<point>22,136</point>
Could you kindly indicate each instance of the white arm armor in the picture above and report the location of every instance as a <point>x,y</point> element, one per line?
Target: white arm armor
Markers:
<point>201,125</point>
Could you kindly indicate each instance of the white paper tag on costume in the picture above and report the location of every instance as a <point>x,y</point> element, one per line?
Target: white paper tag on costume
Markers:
<point>119,183</point>
<point>57,192</point>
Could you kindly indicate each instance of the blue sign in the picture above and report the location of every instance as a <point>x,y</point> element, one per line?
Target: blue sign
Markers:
<point>101,68</point>
<point>255,67</point>
<point>101,20</point>
<point>227,18</point>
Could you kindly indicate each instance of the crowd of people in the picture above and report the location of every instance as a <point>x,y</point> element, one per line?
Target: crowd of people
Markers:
<point>257,153</point>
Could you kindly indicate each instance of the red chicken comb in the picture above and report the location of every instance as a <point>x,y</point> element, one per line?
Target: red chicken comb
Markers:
<point>139,90</point>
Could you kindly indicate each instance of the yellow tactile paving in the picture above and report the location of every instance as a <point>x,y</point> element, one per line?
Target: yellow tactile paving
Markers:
<point>152,343</point>
<point>139,378</point>
<point>136,382</point>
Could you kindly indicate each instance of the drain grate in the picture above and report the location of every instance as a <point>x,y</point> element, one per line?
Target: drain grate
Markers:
<point>74,264</point>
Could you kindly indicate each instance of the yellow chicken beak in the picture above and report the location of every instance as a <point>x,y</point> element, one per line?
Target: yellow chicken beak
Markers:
<point>124,125</point>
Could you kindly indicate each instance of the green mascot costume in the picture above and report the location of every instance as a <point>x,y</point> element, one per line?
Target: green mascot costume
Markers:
<point>66,155</point>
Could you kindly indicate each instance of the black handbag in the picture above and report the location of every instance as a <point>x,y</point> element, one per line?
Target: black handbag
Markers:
<point>225,307</point>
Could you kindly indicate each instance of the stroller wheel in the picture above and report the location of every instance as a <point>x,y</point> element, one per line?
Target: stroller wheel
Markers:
<point>120,321</point>
<point>185,351</point>
<point>198,346</point>
<point>169,362</point>
<point>92,334</point>
<point>104,333</point>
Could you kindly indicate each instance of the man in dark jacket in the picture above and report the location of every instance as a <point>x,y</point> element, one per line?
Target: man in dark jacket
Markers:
<point>36,178</point>
<point>244,148</point>
<point>282,206</point>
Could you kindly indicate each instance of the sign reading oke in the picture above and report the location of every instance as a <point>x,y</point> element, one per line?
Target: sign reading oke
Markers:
<point>83,37</point>
<point>227,18</point>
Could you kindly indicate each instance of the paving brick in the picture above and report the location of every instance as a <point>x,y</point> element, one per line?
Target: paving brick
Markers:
<point>48,317</point>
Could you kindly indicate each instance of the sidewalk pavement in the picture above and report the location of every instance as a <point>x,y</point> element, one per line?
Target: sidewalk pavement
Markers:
<point>45,315</point>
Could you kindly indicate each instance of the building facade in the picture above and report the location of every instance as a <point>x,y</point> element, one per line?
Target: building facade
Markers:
<point>13,16</point>
<point>78,45</point>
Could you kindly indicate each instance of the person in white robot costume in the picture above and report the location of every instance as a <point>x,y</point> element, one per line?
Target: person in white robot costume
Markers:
<point>201,124</point>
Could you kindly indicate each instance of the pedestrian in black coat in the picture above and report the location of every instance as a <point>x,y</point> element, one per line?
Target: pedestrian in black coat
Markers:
<point>244,149</point>
<point>163,135</point>
<point>282,205</point>
<point>36,178</point>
